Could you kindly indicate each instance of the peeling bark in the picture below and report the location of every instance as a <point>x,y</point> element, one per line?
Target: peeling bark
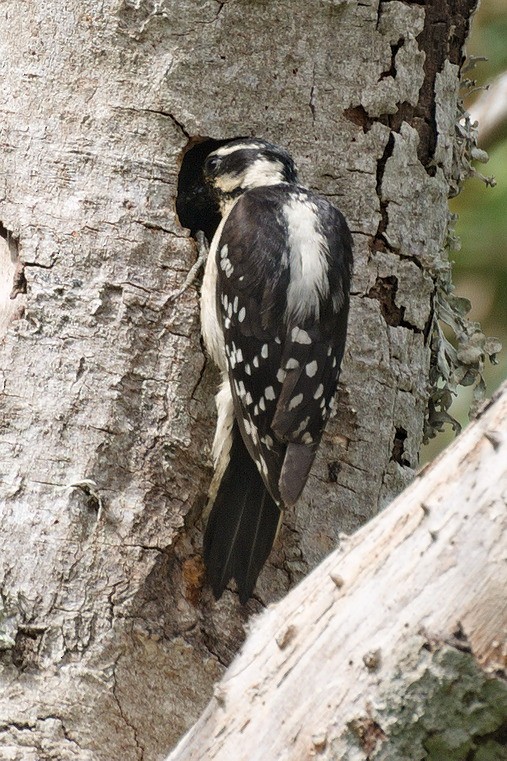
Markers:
<point>107,398</point>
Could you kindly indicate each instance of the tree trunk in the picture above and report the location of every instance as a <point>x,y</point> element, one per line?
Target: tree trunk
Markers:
<point>394,647</point>
<point>107,399</point>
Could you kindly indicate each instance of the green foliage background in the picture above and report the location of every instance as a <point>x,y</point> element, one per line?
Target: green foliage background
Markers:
<point>480,267</point>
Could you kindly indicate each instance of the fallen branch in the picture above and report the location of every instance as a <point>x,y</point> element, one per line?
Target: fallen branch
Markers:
<point>395,639</point>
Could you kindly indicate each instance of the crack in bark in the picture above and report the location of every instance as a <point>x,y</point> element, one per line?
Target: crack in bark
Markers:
<point>313,91</point>
<point>157,112</point>
<point>220,8</point>
<point>20,726</point>
<point>200,378</point>
<point>174,121</point>
<point>391,71</point>
<point>139,748</point>
<point>385,290</point>
<point>46,747</point>
<point>40,265</point>
<point>379,242</point>
<point>156,226</point>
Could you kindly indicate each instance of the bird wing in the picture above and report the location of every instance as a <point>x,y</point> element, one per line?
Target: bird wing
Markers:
<point>284,262</point>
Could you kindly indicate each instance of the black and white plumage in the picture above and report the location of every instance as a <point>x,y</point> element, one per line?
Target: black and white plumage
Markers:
<point>274,310</point>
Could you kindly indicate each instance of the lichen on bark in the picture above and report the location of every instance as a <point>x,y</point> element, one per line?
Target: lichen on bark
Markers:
<point>459,361</point>
<point>440,705</point>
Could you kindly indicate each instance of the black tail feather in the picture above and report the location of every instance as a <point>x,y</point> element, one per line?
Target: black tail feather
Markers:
<point>242,524</point>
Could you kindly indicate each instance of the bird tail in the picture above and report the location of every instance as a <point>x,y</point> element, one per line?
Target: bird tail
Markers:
<point>242,524</point>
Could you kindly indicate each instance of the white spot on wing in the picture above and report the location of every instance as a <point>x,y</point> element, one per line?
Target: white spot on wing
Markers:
<point>311,368</point>
<point>295,401</point>
<point>261,465</point>
<point>302,426</point>
<point>240,389</point>
<point>319,392</point>
<point>242,314</point>
<point>269,393</point>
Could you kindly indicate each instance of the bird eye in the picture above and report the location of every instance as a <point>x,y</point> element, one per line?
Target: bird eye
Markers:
<point>211,164</point>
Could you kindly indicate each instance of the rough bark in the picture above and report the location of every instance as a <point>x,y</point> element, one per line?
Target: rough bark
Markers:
<point>107,401</point>
<point>394,647</point>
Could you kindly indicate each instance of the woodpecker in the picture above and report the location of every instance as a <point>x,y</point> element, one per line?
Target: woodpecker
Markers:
<point>274,309</point>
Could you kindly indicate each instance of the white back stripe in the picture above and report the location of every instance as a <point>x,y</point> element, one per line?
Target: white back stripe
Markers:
<point>309,281</point>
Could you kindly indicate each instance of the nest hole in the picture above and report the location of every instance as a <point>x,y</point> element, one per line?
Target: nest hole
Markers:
<point>196,207</point>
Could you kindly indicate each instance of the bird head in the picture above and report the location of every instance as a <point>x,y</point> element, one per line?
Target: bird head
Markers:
<point>243,164</point>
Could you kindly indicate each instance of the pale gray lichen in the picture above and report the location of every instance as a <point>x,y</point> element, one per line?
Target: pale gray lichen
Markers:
<point>458,358</point>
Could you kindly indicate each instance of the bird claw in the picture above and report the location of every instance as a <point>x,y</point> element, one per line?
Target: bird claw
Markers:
<point>202,251</point>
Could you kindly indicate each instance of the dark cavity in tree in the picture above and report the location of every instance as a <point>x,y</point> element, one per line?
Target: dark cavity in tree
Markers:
<point>333,468</point>
<point>398,451</point>
<point>384,291</point>
<point>196,207</point>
